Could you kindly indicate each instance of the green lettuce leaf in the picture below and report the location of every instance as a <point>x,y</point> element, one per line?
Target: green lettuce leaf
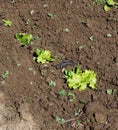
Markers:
<point>43,56</point>
<point>24,38</point>
<point>75,79</point>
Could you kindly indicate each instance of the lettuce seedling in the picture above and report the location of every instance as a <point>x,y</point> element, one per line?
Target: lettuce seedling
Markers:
<point>24,38</point>
<point>75,79</point>
<point>7,23</point>
<point>109,4</point>
<point>43,56</point>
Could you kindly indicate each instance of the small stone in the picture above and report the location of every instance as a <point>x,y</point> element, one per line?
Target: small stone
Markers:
<point>100,117</point>
<point>31,83</point>
<point>32,12</point>
<point>109,35</point>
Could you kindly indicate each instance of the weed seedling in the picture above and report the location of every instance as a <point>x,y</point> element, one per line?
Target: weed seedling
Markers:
<point>28,22</point>
<point>30,68</point>
<point>100,1</point>
<point>34,27</point>
<point>62,92</point>
<point>110,91</point>
<point>6,74</point>
<point>77,112</point>
<point>81,47</point>
<point>43,56</point>
<point>91,38</point>
<point>24,38</point>
<point>52,83</point>
<point>36,38</point>
<point>59,120</point>
<point>7,23</point>
<point>50,15</point>
<point>71,97</point>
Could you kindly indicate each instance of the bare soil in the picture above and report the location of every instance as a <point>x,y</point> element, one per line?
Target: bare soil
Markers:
<point>27,102</point>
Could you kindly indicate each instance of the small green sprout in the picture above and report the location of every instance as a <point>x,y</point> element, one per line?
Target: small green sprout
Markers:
<point>36,38</point>
<point>30,68</point>
<point>110,91</point>
<point>28,22</point>
<point>6,74</point>
<point>34,27</point>
<point>52,83</point>
<point>91,38</point>
<point>75,78</point>
<point>62,92</point>
<point>81,47</point>
<point>50,15</point>
<point>43,56</point>
<point>71,97</point>
<point>24,38</point>
<point>59,120</point>
<point>7,23</point>
<point>77,113</point>
<point>88,120</point>
<point>100,1</point>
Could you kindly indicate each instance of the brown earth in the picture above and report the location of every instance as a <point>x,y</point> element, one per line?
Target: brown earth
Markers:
<point>27,102</point>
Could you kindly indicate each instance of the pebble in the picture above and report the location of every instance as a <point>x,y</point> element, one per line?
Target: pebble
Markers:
<point>100,117</point>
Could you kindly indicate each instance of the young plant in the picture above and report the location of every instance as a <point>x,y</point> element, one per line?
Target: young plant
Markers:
<point>24,38</point>
<point>59,120</point>
<point>78,112</point>
<point>110,91</point>
<point>75,78</point>
<point>52,83</point>
<point>51,15</point>
<point>100,1</point>
<point>43,56</point>
<point>109,4</point>
<point>71,97</point>
<point>62,92</point>
<point>6,74</point>
<point>7,23</point>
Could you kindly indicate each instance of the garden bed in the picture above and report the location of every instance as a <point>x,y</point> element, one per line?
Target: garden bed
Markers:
<point>77,30</point>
